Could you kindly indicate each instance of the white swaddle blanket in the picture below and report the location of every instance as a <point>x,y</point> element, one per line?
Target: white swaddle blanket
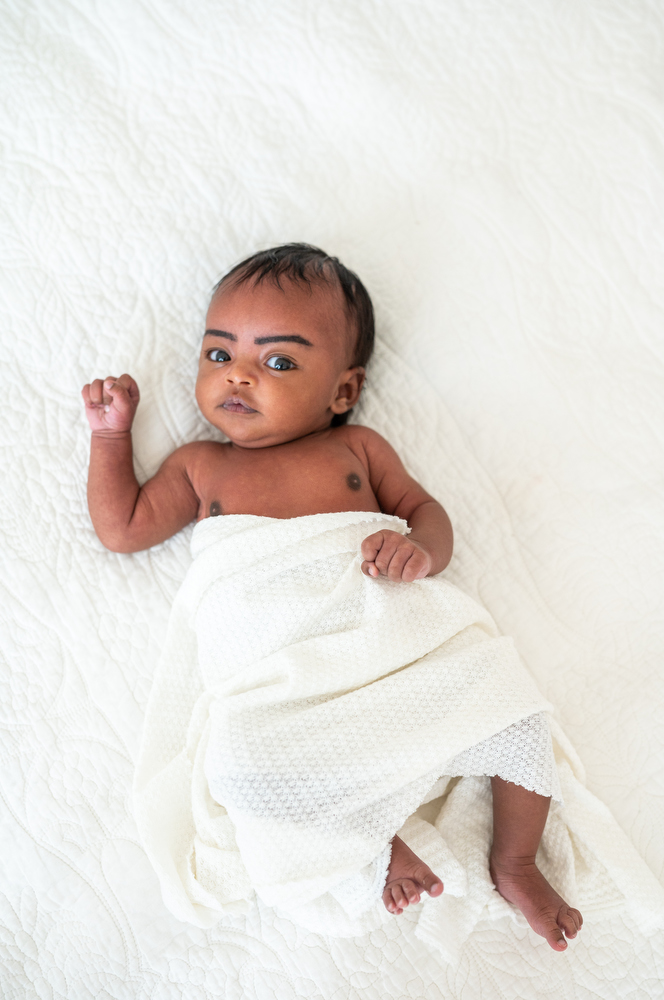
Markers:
<point>301,714</point>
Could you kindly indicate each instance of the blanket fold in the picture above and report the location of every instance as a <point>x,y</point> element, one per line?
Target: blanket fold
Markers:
<point>302,712</point>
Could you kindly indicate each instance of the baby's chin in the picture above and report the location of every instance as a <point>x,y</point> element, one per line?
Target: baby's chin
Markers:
<point>246,432</point>
<point>251,430</point>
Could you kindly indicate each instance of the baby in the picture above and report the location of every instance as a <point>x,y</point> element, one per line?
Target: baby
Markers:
<point>289,332</point>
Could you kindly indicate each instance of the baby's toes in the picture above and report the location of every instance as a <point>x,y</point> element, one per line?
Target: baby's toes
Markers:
<point>553,934</point>
<point>432,883</point>
<point>389,902</point>
<point>411,891</point>
<point>395,898</point>
<point>399,896</point>
<point>570,921</point>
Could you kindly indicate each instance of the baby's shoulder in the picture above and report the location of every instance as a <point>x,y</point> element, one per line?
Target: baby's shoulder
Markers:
<point>357,437</point>
<point>191,456</point>
<point>358,434</point>
<point>377,454</point>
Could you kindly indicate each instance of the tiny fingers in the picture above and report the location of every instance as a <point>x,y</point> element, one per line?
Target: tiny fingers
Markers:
<point>408,563</point>
<point>96,393</point>
<point>395,567</point>
<point>371,546</point>
<point>385,556</point>
<point>389,553</point>
<point>100,392</point>
<point>376,552</point>
<point>417,566</point>
<point>116,391</point>
<point>128,383</point>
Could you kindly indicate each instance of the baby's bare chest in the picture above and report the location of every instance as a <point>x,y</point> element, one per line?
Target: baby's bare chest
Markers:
<point>284,481</point>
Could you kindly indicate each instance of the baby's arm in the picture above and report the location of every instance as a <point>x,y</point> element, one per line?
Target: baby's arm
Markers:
<point>428,548</point>
<point>126,516</point>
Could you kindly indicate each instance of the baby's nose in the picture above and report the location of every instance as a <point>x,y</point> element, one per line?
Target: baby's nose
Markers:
<point>241,373</point>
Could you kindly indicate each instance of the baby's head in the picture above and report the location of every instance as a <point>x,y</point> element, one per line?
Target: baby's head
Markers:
<point>288,334</point>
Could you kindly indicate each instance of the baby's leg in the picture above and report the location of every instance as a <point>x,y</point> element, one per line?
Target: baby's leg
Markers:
<point>518,821</point>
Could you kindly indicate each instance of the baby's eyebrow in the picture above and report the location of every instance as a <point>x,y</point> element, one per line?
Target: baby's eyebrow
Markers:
<point>220,333</point>
<point>294,338</point>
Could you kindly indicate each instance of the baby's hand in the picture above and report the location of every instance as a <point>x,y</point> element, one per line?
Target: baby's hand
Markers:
<point>395,556</point>
<point>110,404</point>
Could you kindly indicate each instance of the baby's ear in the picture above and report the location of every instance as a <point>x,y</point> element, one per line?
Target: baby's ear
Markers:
<point>349,389</point>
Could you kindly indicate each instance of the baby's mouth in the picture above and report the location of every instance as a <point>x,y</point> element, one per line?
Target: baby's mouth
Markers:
<point>235,405</point>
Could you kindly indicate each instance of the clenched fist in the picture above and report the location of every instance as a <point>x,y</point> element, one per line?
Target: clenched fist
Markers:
<point>110,404</point>
<point>394,556</point>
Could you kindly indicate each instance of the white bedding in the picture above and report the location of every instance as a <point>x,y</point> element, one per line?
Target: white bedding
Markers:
<point>494,173</point>
<point>302,711</point>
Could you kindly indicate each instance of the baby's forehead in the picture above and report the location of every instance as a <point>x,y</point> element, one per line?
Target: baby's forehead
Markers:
<point>318,303</point>
<point>317,288</point>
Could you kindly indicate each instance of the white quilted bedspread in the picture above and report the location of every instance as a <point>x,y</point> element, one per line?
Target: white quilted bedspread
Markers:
<point>494,171</point>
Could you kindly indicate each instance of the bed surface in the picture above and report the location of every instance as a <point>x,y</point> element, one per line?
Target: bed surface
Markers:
<point>494,174</point>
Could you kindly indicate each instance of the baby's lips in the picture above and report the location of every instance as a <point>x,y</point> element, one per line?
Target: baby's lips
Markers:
<point>234,400</point>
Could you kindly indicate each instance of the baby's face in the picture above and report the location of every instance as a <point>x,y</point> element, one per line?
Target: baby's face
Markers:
<point>276,364</point>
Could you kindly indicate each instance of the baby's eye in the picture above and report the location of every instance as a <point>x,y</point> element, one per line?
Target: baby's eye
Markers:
<point>279,364</point>
<point>217,354</point>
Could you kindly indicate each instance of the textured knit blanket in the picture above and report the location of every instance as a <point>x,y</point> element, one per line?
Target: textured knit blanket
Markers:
<point>301,714</point>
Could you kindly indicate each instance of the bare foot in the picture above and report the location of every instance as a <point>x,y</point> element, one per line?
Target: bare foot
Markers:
<point>407,878</point>
<point>523,884</point>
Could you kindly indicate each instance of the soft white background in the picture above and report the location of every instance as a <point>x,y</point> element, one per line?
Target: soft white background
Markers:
<point>493,171</point>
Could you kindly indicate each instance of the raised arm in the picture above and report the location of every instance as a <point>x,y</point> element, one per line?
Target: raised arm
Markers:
<point>428,548</point>
<point>126,516</point>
